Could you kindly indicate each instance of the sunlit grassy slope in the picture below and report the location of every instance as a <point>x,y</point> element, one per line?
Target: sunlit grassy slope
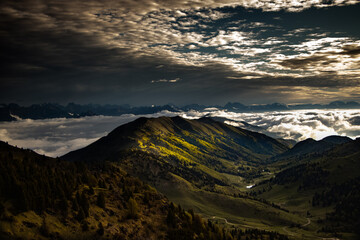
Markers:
<point>203,144</point>
<point>204,152</point>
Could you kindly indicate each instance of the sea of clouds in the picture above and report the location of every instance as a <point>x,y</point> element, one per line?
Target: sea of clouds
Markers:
<point>55,137</point>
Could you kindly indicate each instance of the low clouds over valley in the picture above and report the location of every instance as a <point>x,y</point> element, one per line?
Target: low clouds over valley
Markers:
<point>55,137</point>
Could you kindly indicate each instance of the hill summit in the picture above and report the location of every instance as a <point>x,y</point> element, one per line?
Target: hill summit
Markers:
<point>191,140</point>
<point>202,145</point>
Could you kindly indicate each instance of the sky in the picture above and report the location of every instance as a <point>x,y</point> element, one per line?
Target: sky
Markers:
<point>56,137</point>
<point>148,52</point>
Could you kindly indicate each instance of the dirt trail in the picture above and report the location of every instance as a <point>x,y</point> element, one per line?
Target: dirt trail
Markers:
<point>288,232</point>
<point>309,221</point>
<point>284,228</point>
<point>225,220</point>
<point>294,234</point>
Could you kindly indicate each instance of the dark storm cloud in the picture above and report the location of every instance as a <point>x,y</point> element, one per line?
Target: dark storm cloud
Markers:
<point>306,62</point>
<point>110,51</point>
<point>339,56</point>
<point>351,50</point>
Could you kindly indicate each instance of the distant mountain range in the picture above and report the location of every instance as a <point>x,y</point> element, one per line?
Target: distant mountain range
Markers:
<point>12,111</point>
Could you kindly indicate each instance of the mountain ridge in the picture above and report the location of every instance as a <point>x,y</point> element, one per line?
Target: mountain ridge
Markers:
<point>311,146</point>
<point>137,133</point>
<point>13,112</point>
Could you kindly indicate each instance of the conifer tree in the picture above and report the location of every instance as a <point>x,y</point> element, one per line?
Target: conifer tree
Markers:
<point>101,200</point>
<point>84,204</point>
<point>91,190</point>
<point>85,226</point>
<point>100,230</point>
<point>81,215</point>
<point>132,208</point>
<point>171,218</point>
<point>75,205</point>
<point>44,230</point>
<point>2,209</point>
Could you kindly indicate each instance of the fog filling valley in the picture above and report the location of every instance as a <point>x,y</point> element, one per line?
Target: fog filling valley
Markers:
<point>55,137</point>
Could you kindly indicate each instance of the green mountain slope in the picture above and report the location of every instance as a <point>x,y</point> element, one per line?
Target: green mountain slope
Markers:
<point>202,143</point>
<point>45,198</point>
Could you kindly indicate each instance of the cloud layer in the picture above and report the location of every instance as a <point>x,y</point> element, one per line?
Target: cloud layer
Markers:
<point>55,137</point>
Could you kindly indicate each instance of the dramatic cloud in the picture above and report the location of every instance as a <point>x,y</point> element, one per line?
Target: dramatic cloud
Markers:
<point>55,137</point>
<point>113,51</point>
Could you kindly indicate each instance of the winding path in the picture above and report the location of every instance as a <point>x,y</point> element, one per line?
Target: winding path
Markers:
<point>288,232</point>
<point>292,233</point>
<point>225,220</point>
<point>284,228</point>
<point>308,222</point>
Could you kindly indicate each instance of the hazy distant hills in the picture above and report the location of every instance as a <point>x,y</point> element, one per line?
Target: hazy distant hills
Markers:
<point>11,112</point>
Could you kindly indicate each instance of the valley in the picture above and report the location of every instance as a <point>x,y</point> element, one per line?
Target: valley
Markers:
<point>232,177</point>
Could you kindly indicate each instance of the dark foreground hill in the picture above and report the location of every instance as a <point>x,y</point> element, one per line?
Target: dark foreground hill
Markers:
<point>45,198</point>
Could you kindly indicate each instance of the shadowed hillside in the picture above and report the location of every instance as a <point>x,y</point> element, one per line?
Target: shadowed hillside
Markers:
<point>45,198</point>
<point>311,146</point>
<point>322,183</point>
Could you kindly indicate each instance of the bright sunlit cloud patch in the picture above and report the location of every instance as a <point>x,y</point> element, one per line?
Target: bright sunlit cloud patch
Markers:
<point>298,125</point>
